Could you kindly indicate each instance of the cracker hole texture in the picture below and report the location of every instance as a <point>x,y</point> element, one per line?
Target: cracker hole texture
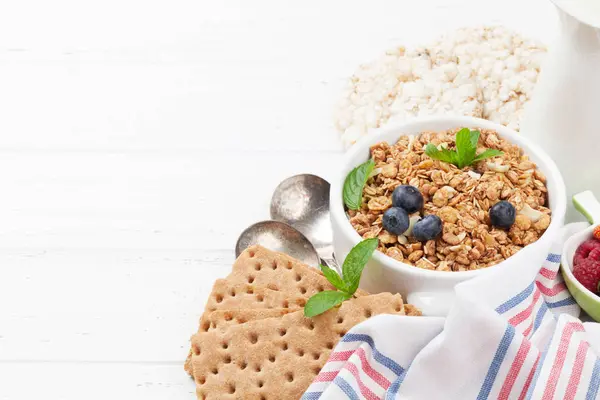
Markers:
<point>257,266</point>
<point>202,380</point>
<point>228,317</point>
<point>205,326</point>
<point>284,346</point>
<point>310,325</point>
<point>214,370</point>
<point>251,253</point>
<point>227,359</point>
<point>282,331</point>
<point>231,388</point>
<point>260,298</point>
<point>316,356</point>
<point>285,304</point>
<point>316,370</point>
<point>257,368</point>
<point>340,320</point>
<point>197,349</point>
<point>225,345</point>
<point>250,279</point>
<point>272,358</point>
<point>274,265</point>
<point>289,376</point>
<point>288,265</point>
<point>243,365</point>
<point>303,290</point>
<point>232,292</point>
<point>368,313</point>
<point>320,288</point>
<point>219,298</point>
<point>249,290</point>
<point>260,383</point>
<point>263,397</point>
<point>330,345</point>
<point>298,277</point>
<point>253,337</point>
<point>300,352</point>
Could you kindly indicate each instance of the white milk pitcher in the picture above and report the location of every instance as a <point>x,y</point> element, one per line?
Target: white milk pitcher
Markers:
<point>564,115</point>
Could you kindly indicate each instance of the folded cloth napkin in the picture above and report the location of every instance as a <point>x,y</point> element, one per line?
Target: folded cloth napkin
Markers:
<point>513,333</point>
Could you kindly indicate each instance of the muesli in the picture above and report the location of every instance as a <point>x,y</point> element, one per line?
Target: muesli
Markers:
<point>480,202</point>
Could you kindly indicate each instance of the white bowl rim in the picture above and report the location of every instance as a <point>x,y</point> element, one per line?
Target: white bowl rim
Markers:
<point>551,171</point>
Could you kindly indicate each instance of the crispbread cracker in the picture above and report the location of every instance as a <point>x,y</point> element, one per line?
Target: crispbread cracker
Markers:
<point>220,319</point>
<point>226,296</point>
<point>277,358</point>
<point>412,311</point>
<point>260,266</point>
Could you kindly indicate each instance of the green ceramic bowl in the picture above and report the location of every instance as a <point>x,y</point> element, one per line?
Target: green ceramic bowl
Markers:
<point>587,204</point>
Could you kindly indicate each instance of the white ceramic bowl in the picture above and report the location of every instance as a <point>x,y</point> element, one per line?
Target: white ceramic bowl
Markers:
<point>431,291</point>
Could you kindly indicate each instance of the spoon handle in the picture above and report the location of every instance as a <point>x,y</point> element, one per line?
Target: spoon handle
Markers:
<point>332,263</point>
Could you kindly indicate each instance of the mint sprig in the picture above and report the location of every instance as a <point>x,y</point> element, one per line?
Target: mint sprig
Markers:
<point>323,301</point>
<point>347,284</point>
<point>466,150</point>
<point>354,184</point>
<point>333,277</point>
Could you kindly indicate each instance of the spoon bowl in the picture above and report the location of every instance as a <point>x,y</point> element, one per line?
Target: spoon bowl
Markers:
<point>281,237</point>
<point>302,201</point>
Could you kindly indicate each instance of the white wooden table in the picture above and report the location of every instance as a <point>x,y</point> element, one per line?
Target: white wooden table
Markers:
<point>138,138</point>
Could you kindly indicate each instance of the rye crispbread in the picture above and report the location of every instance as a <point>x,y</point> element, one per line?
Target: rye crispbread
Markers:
<point>220,319</point>
<point>260,266</point>
<point>277,358</point>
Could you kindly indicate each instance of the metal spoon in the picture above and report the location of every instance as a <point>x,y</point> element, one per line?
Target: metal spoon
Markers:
<point>302,201</point>
<point>278,236</point>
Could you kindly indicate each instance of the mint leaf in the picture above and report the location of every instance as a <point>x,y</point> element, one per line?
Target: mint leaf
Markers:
<point>444,155</point>
<point>355,262</point>
<point>475,139</point>
<point>487,154</point>
<point>323,301</point>
<point>466,146</point>
<point>354,184</point>
<point>352,269</point>
<point>333,278</point>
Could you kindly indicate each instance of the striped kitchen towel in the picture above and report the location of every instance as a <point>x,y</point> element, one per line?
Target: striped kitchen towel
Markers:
<point>511,334</point>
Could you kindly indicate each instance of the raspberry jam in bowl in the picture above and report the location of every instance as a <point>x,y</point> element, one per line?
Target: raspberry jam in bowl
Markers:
<point>580,264</point>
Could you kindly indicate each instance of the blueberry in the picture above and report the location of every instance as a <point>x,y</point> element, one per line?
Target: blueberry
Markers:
<point>427,228</point>
<point>395,221</point>
<point>407,197</point>
<point>502,214</point>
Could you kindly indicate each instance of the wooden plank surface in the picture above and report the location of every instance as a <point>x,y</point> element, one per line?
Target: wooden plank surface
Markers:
<point>138,138</point>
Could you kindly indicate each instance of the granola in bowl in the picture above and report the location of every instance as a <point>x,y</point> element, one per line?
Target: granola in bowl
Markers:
<point>472,202</point>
